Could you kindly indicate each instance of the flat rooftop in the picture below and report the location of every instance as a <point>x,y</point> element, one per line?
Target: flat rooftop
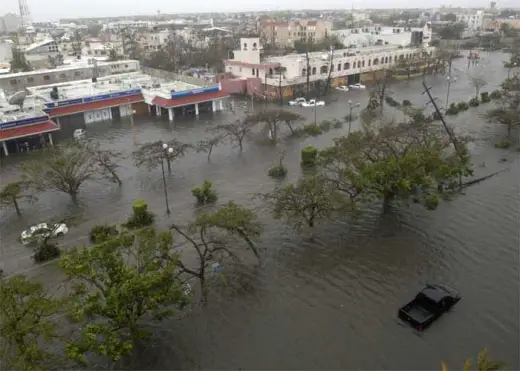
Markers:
<point>9,113</point>
<point>109,84</point>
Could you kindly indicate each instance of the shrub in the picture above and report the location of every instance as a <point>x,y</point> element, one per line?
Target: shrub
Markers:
<point>277,171</point>
<point>141,217</point>
<point>205,194</point>
<point>309,154</point>
<point>325,125</point>
<point>496,94</point>
<point>462,106</point>
<point>407,103</point>
<point>452,109</point>
<point>101,233</point>
<point>484,97</point>
<point>504,144</point>
<point>312,130</point>
<point>46,251</point>
<point>431,201</point>
<point>392,102</point>
<point>473,102</point>
<point>337,124</point>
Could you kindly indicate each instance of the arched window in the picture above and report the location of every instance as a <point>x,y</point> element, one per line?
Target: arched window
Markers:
<point>363,63</point>
<point>245,46</point>
<point>346,66</point>
<point>254,46</point>
<point>324,69</point>
<point>375,62</point>
<point>314,70</point>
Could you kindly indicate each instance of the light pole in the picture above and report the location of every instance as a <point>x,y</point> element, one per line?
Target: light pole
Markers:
<point>450,81</point>
<point>511,65</point>
<point>351,106</point>
<point>315,113</point>
<point>166,150</point>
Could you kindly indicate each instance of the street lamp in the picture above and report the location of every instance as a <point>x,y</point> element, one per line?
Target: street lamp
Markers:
<point>351,106</point>
<point>450,81</point>
<point>166,150</point>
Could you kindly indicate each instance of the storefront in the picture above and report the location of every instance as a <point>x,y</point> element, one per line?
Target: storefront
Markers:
<point>26,135</point>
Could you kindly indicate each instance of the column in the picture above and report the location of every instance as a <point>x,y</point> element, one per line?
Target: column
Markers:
<point>196,109</point>
<point>149,109</point>
<point>6,152</point>
<point>170,114</point>
<point>220,105</point>
<point>213,106</point>
<point>50,139</point>
<point>58,122</point>
<point>158,110</point>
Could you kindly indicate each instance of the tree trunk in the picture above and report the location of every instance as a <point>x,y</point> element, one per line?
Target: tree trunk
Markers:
<point>169,165</point>
<point>290,127</point>
<point>74,197</point>
<point>209,152</point>
<point>16,206</point>
<point>249,242</point>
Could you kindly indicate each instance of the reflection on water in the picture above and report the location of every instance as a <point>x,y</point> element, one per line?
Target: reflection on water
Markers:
<point>328,302</point>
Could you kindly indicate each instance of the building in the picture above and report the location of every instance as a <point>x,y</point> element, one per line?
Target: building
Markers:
<point>153,41</point>
<point>38,54</point>
<point>286,33</point>
<point>13,82</point>
<point>10,22</point>
<point>376,35</point>
<point>6,53</point>
<point>288,74</point>
<point>473,21</point>
<point>77,104</point>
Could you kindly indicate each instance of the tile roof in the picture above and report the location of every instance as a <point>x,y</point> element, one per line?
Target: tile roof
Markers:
<point>182,101</point>
<point>25,131</point>
<point>84,107</point>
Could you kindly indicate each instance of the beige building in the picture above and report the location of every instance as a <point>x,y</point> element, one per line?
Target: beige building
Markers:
<point>286,33</point>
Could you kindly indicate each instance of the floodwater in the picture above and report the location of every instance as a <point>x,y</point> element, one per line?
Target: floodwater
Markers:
<point>329,302</point>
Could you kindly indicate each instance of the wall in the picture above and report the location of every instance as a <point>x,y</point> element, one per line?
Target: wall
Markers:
<point>169,75</point>
<point>233,86</point>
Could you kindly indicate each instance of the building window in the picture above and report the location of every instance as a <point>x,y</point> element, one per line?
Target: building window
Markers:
<point>314,70</point>
<point>369,62</point>
<point>77,73</point>
<point>46,78</point>
<point>304,72</point>
<point>14,82</point>
<point>62,76</point>
<point>390,59</point>
<point>362,63</point>
<point>339,66</point>
<point>346,66</point>
<point>324,69</point>
<point>30,79</point>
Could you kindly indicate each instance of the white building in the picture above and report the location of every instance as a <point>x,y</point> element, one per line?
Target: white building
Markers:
<point>473,21</point>
<point>10,22</point>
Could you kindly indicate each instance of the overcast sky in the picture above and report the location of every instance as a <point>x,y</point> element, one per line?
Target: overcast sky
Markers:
<point>54,9</point>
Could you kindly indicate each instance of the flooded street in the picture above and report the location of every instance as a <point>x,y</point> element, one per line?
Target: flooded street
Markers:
<point>329,302</point>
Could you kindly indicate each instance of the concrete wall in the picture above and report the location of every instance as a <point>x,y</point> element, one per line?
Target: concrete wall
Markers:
<point>233,86</point>
<point>169,75</point>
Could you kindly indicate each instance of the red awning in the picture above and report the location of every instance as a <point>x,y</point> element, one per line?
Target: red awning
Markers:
<point>25,131</point>
<point>91,106</point>
<point>191,99</point>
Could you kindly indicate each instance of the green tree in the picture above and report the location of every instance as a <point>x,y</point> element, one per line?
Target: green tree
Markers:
<point>483,363</point>
<point>215,236</point>
<point>305,203</point>
<point>396,161</point>
<point>117,286</point>
<point>65,169</point>
<point>18,62</point>
<point>205,194</point>
<point>14,192</point>
<point>26,325</point>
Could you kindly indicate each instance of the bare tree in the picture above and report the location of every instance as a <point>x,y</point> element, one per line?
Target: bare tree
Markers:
<point>478,81</point>
<point>150,155</point>
<point>273,118</point>
<point>207,145</point>
<point>236,131</point>
<point>106,161</point>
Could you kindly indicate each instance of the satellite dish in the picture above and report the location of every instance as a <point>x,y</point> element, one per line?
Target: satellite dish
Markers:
<point>17,99</point>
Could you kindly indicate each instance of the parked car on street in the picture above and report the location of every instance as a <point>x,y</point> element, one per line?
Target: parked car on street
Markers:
<point>297,102</point>
<point>342,88</point>
<point>43,230</point>
<point>428,305</point>
<point>357,86</point>
<point>313,102</point>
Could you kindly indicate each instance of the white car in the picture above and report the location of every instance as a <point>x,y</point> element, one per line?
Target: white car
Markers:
<point>43,230</point>
<point>313,103</point>
<point>357,86</point>
<point>297,102</point>
<point>78,134</point>
<point>342,88</point>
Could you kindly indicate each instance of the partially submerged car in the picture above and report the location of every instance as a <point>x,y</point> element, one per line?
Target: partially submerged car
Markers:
<point>313,102</point>
<point>297,102</point>
<point>428,305</point>
<point>342,88</point>
<point>43,230</point>
<point>357,86</point>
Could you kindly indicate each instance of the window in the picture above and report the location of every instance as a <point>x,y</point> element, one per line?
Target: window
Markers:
<point>63,76</point>
<point>314,70</point>
<point>253,71</point>
<point>339,66</point>
<point>14,82</point>
<point>46,78</point>
<point>30,79</point>
<point>77,73</point>
<point>369,62</point>
<point>346,66</point>
<point>362,63</point>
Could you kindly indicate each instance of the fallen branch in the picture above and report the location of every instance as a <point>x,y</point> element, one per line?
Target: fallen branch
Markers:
<point>478,180</point>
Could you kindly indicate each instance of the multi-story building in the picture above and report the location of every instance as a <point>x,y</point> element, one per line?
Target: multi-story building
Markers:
<point>287,75</point>
<point>10,22</point>
<point>38,54</point>
<point>153,41</point>
<point>473,21</point>
<point>286,33</point>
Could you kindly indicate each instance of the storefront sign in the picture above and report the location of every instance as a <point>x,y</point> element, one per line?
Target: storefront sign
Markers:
<point>189,93</point>
<point>95,98</point>
<point>29,121</point>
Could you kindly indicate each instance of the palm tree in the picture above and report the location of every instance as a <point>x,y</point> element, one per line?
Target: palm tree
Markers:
<point>483,363</point>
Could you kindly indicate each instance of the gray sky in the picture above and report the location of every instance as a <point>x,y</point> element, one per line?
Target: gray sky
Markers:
<point>54,9</point>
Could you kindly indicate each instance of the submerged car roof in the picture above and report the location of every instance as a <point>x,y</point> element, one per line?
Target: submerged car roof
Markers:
<point>435,293</point>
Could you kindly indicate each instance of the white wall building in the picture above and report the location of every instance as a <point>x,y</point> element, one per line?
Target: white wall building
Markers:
<point>473,21</point>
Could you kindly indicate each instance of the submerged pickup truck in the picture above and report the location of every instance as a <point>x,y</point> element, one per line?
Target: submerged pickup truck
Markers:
<point>428,305</point>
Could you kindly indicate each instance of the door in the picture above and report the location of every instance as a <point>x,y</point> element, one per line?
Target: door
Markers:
<point>116,112</point>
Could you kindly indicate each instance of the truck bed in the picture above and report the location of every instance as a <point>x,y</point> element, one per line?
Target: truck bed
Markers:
<point>418,312</point>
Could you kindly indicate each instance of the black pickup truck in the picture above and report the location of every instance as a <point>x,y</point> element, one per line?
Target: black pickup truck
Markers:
<point>428,305</point>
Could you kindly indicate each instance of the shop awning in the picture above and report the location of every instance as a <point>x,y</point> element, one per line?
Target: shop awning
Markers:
<point>192,99</point>
<point>28,130</point>
<point>91,106</point>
